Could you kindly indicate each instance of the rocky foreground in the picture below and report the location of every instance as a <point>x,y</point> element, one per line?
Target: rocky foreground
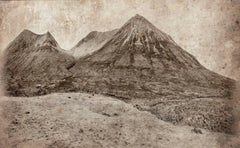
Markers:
<point>87,120</point>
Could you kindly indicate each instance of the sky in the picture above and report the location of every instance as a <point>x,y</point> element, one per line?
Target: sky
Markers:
<point>208,29</point>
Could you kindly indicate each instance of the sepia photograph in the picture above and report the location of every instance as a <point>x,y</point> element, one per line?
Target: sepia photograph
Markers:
<point>120,74</point>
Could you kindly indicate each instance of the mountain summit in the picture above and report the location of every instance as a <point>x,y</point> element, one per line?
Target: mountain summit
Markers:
<point>140,44</point>
<point>47,40</point>
<point>139,24</point>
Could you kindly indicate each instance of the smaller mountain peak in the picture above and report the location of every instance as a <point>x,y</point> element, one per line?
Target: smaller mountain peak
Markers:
<point>46,39</point>
<point>93,32</point>
<point>91,35</point>
<point>27,32</point>
<point>26,35</point>
<point>48,34</point>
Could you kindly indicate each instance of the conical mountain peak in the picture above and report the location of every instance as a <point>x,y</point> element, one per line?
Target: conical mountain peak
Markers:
<point>139,27</point>
<point>139,21</point>
<point>139,43</point>
<point>138,17</point>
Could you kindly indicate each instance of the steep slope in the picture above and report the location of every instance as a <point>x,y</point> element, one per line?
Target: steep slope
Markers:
<point>138,41</point>
<point>139,49</point>
<point>92,42</point>
<point>144,66</point>
<point>34,61</point>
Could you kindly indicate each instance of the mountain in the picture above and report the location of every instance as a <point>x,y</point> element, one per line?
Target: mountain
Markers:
<point>139,48</point>
<point>92,42</point>
<point>138,41</point>
<point>144,66</point>
<point>33,61</point>
<point>137,63</point>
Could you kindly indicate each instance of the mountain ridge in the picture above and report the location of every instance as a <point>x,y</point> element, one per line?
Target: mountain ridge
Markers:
<point>33,60</point>
<point>91,43</point>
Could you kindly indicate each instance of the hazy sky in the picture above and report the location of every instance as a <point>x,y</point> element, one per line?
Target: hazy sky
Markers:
<point>208,29</point>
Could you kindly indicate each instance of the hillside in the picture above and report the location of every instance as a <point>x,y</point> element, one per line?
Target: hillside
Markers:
<point>83,120</point>
<point>143,66</point>
<point>91,43</point>
<point>34,61</point>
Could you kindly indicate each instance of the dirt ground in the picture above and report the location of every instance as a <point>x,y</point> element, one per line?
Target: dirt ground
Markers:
<point>86,120</point>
